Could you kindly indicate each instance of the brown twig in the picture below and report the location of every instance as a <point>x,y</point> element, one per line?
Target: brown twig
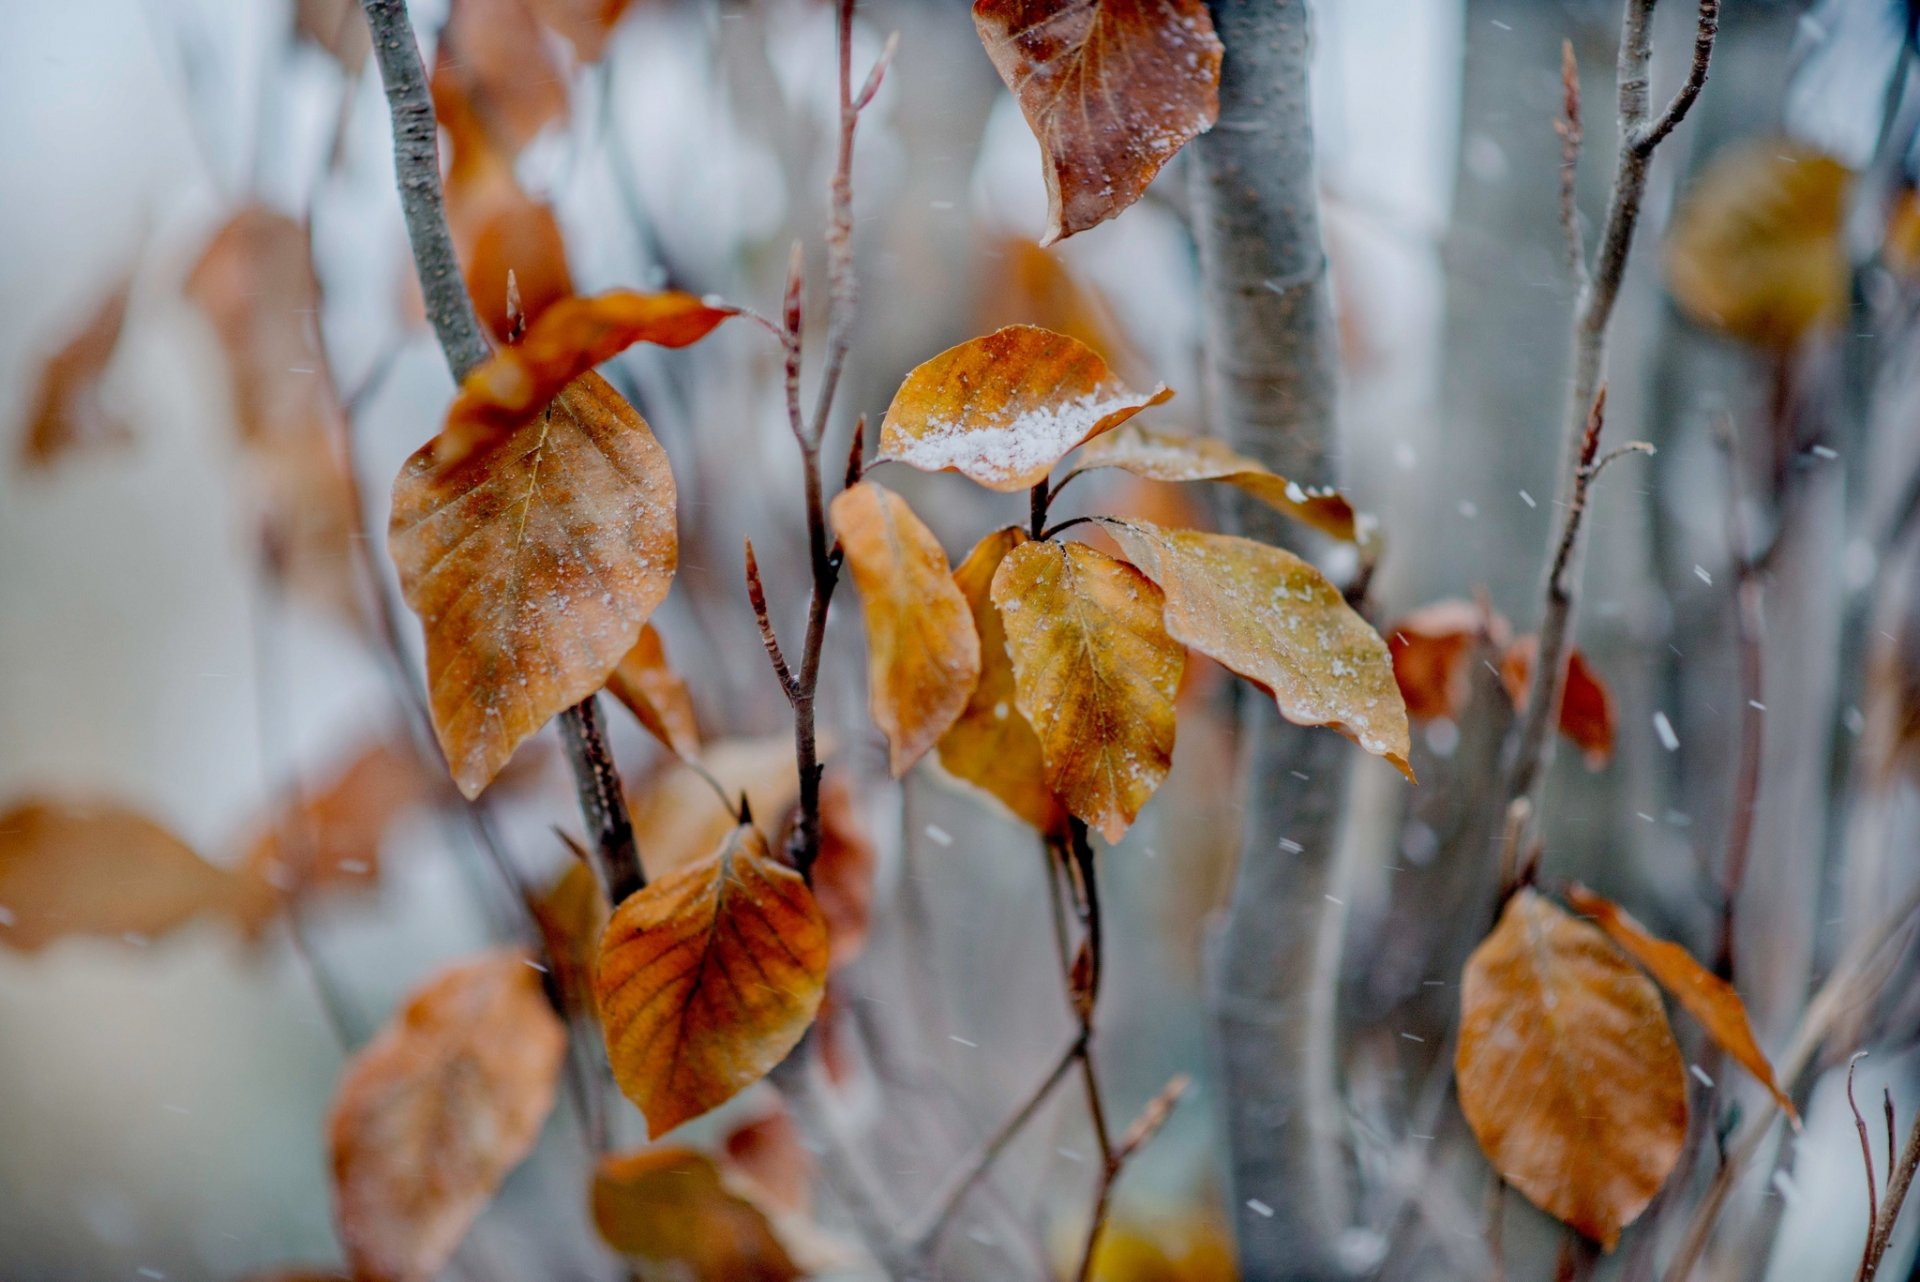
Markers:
<point>1899,1181</point>
<point>1144,1128</point>
<point>1571,136</point>
<point>1866,1155</point>
<point>757,598</point>
<point>1748,641</point>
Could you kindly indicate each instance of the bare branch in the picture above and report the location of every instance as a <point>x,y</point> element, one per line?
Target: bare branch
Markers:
<point>1899,1181</point>
<point>757,597</point>
<point>1866,1154</point>
<point>1709,27</point>
<point>1571,135</point>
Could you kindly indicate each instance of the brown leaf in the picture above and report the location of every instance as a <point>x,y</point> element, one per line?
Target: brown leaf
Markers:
<point>70,868</point>
<point>991,745</point>
<point>654,693</point>
<point>843,873</point>
<point>1567,1071</point>
<point>570,915</point>
<point>567,339</point>
<point>1756,250</point>
<point>707,978</point>
<point>586,24</point>
<point>338,26</point>
<point>1025,284</point>
<point>533,558</point>
<point>431,1114</point>
<point>768,1153</point>
<point>677,819</point>
<point>1111,88</point>
<point>1094,673</point>
<point>923,658</point>
<point>1586,708</point>
<point>1272,618</point>
<point>1004,408</point>
<point>1431,649</point>
<point>1703,994</point>
<point>669,1210</point>
<point>493,74</point>
<point>68,415</point>
<point>1165,456</point>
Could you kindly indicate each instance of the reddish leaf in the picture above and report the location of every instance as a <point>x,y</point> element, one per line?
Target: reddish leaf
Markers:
<point>1586,709</point>
<point>493,74</point>
<point>654,693</point>
<point>707,978</point>
<point>1004,408</point>
<point>669,1209</point>
<point>1431,648</point>
<point>585,23</point>
<point>767,1153</point>
<point>1567,1070</point>
<point>430,1115</point>
<point>1111,88</point>
<point>67,414</point>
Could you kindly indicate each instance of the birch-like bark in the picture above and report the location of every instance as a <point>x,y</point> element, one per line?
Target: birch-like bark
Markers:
<point>1271,369</point>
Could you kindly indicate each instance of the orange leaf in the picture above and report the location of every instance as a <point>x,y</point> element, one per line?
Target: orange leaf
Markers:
<point>768,1153</point>
<point>493,75</point>
<point>1431,648</point>
<point>1272,618</point>
<point>586,24</point>
<point>570,916</point>
<point>991,745</point>
<point>1111,88</point>
<point>1024,284</point>
<point>843,873</point>
<point>1586,709</point>
<point>1094,673</point>
<point>669,1209</point>
<point>76,869</point>
<point>707,978</point>
<point>566,340</point>
<point>68,414</point>
<point>1004,408</point>
<point>1164,456</point>
<point>1756,250</point>
<point>1567,1070</point>
<point>923,658</point>
<point>677,819</point>
<point>431,1114</point>
<point>1703,994</point>
<point>654,693</point>
<point>533,558</point>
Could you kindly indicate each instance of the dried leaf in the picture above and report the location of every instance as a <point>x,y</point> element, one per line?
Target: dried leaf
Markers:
<point>1094,673</point>
<point>923,658</point>
<point>68,415</point>
<point>1431,649</point>
<point>677,819</point>
<point>1004,408</point>
<point>68,868</point>
<point>1025,284</point>
<point>570,916</point>
<point>654,693</point>
<point>1586,708</point>
<point>567,339</point>
<point>1272,618</point>
<point>338,26</point>
<point>1164,456</point>
<point>1567,1070</point>
<point>1111,88</point>
<point>1703,994</point>
<point>669,1210</point>
<point>533,558</point>
<point>707,978</point>
<point>991,745</point>
<point>586,24</point>
<point>768,1154</point>
<point>492,73</point>
<point>1756,250</point>
<point>431,1114</point>
<point>843,873</point>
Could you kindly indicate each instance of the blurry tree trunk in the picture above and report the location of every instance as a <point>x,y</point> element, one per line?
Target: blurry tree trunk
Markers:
<point>1271,370</point>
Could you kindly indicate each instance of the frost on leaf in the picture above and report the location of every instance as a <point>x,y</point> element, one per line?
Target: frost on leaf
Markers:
<point>1094,674</point>
<point>1111,89</point>
<point>1004,408</point>
<point>533,558</point>
<point>707,978</point>
<point>1272,618</point>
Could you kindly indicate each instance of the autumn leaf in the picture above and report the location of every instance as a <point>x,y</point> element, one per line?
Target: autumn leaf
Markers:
<point>1756,250</point>
<point>654,693</point>
<point>570,914</point>
<point>1703,994</point>
<point>73,868</point>
<point>678,819</point>
<point>1269,616</point>
<point>991,745</point>
<point>1025,284</point>
<point>1111,88</point>
<point>431,1114</point>
<point>768,1153</point>
<point>1567,1071</point>
<point>1094,674</point>
<point>1586,708</point>
<point>338,26</point>
<point>1432,647</point>
<point>843,873</point>
<point>923,658</point>
<point>1004,408</point>
<point>707,978</point>
<point>533,558</point>
<point>68,414</point>
<point>1164,456</point>
<point>567,339</point>
<point>492,73</point>
<point>669,1210</point>
<point>586,24</point>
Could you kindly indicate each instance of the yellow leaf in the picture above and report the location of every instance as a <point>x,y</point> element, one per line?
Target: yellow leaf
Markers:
<point>1004,408</point>
<point>1567,1070</point>
<point>1272,618</point>
<point>922,655</point>
<point>533,558</point>
<point>1111,88</point>
<point>654,693</point>
<point>707,978</point>
<point>431,1114</point>
<point>991,745</point>
<point>1094,674</point>
<point>669,1210</point>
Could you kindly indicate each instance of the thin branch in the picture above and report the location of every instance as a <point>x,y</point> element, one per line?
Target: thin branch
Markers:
<point>1748,642</point>
<point>601,799</point>
<point>1571,136</point>
<point>1708,27</point>
<point>757,598</point>
<point>1866,1154</point>
<point>1038,499</point>
<point>1144,1128</point>
<point>1899,1181</point>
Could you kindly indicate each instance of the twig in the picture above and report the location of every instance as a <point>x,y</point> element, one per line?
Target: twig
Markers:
<point>416,160</point>
<point>1708,27</point>
<point>1899,1180</point>
<point>1866,1154</point>
<point>1496,1228</point>
<point>1144,1128</point>
<point>1748,641</point>
<point>757,598</point>
<point>1571,136</point>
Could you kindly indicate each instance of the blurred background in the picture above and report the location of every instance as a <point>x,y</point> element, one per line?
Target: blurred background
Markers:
<point>192,625</point>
